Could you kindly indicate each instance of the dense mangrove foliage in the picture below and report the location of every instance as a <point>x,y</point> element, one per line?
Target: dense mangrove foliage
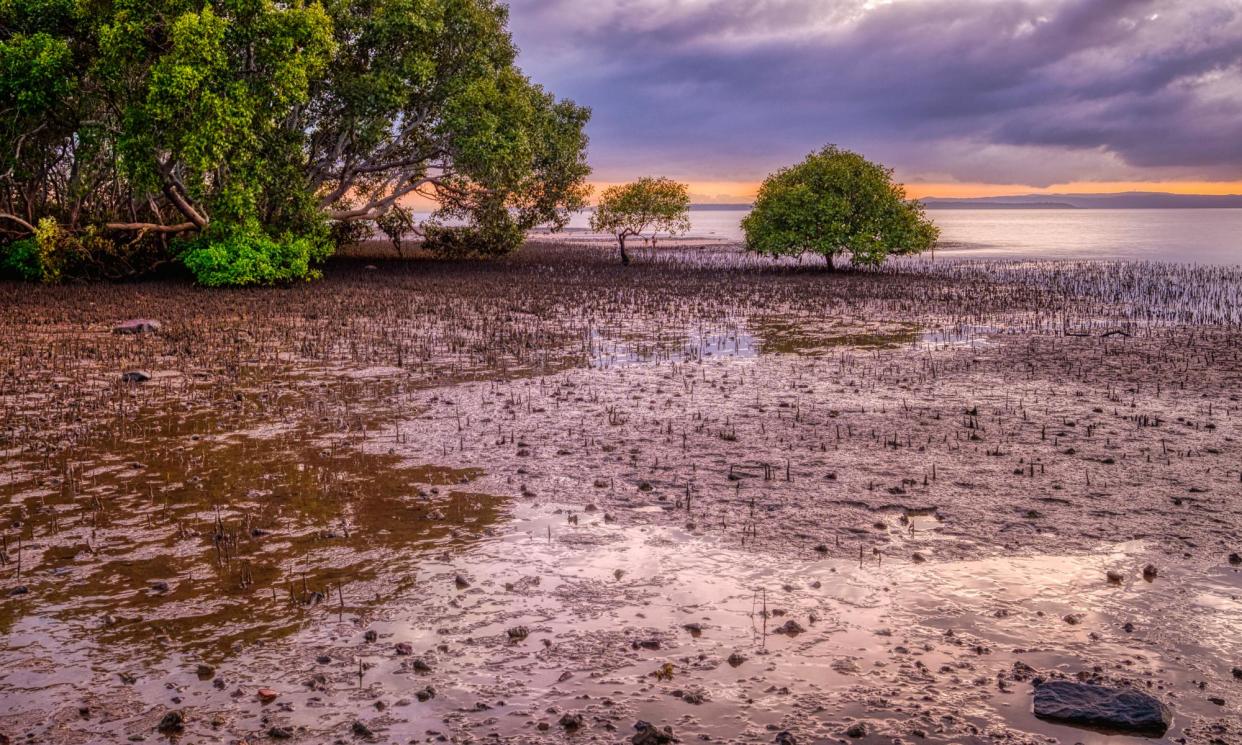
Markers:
<point>244,138</point>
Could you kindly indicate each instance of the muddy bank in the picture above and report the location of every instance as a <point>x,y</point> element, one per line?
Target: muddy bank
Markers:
<point>548,498</point>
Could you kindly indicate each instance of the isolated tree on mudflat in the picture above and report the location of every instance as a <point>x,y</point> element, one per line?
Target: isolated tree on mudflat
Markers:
<point>646,206</point>
<point>833,203</point>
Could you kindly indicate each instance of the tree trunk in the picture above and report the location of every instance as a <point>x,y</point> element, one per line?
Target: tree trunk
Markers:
<point>832,267</point>
<point>625,258</point>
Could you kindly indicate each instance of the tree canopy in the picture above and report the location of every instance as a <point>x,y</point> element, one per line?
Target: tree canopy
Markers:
<point>646,206</point>
<point>837,202</point>
<point>238,135</point>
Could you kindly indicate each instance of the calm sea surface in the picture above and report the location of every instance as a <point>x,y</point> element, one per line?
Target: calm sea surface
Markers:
<point>1203,236</point>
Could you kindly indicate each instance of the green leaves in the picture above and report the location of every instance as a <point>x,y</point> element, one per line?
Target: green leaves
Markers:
<point>256,123</point>
<point>836,202</point>
<point>246,255</point>
<point>648,205</point>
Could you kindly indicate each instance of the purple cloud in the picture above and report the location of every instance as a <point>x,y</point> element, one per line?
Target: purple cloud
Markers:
<point>1052,90</point>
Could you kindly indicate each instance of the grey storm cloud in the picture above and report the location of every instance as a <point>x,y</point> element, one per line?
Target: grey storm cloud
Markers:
<point>724,89</point>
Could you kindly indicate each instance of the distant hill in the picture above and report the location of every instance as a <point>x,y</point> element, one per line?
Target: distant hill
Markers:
<point>1126,200</point>
<point>720,207</point>
<point>981,204</point>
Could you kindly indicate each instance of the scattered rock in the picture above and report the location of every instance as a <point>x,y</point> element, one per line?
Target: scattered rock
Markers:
<point>370,636</point>
<point>173,721</point>
<point>918,558</point>
<point>786,738</point>
<point>648,734</point>
<point>361,730</point>
<point>735,659</point>
<point>856,730</point>
<point>135,376</point>
<point>205,671</point>
<point>461,582</point>
<point>425,694</point>
<point>1115,577</point>
<point>790,627</point>
<point>279,733</point>
<point>136,326</point>
<point>518,633</point>
<point>405,649</point>
<point>1085,705</point>
<point>1150,572</point>
<point>571,722</point>
<point>19,590</point>
<point>1235,559</point>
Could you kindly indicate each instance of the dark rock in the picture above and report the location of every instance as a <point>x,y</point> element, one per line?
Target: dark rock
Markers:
<point>1235,559</point>
<point>735,659</point>
<point>645,644</point>
<point>426,694</point>
<point>518,633</point>
<point>918,558</point>
<point>1149,572</point>
<point>323,659</point>
<point>1237,673</point>
<point>205,671</point>
<point>405,648</point>
<point>136,326</point>
<point>370,636</point>
<point>279,733</point>
<point>856,730</point>
<point>648,734</point>
<point>461,582</point>
<point>420,665</point>
<point>1115,577</point>
<point>1118,709</point>
<point>361,730</point>
<point>173,721</point>
<point>135,376</point>
<point>790,627</point>
<point>19,590</point>
<point>571,721</point>
<point>786,738</point>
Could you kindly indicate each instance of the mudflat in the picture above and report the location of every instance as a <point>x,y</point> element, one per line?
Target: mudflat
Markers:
<point>554,499</point>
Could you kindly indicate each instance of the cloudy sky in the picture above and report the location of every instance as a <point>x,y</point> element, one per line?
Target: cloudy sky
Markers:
<point>962,97</point>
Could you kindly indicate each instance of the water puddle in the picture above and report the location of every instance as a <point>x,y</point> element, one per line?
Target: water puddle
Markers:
<point>563,620</point>
<point>774,335</point>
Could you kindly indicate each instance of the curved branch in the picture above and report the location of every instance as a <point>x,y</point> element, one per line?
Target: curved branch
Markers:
<point>151,227</point>
<point>18,220</point>
<point>378,207</point>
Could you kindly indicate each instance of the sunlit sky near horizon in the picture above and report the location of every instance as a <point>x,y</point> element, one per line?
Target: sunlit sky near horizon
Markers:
<point>961,97</point>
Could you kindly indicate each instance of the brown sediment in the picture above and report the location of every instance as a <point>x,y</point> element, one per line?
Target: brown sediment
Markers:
<point>928,469</point>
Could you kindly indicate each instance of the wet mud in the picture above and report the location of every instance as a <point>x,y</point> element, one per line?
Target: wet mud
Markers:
<point>547,499</point>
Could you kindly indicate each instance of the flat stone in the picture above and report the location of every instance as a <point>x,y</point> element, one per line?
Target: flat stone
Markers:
<point>1117,709</point>
<point>136,326</point>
